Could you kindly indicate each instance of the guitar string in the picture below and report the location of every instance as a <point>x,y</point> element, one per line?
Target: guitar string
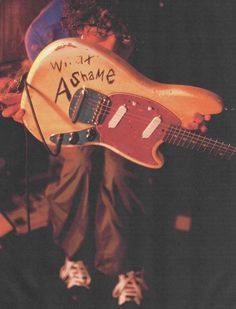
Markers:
<point>179,134</point>
<point>196,140</point>
<point>106,110</point>
<point>170,128</point>
<point>194,137</point>
<point>202,142</point>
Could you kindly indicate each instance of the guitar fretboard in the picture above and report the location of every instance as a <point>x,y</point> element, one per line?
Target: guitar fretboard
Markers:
<point>185,138</point>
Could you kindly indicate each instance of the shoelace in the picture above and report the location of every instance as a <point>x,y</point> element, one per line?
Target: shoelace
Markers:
<point>75,274</point>
<point>129,288</point>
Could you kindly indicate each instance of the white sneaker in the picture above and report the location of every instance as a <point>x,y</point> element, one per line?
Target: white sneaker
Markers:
<point>130,287</point>
<point>75,274</point>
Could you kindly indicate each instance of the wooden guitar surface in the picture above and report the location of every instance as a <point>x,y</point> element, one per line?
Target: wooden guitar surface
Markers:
<point>139,111</point>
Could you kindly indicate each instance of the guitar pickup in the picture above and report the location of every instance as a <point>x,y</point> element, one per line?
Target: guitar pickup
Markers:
<point>152,126</point>
<point>119,114</point>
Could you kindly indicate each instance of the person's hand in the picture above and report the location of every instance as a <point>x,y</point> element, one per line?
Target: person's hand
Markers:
<point>12,109</point>
<point>199,122</point>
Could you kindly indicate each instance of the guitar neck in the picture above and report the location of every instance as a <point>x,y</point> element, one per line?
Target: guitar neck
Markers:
<point>187,139</point>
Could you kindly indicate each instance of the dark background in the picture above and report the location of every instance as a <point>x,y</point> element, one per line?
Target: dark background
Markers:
<point>195,44</point>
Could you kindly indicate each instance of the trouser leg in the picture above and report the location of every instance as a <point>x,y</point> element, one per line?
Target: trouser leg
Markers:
<point>119,212</point>
<point>69,198</point>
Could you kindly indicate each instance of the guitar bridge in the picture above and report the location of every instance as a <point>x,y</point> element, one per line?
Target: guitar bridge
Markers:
<point>89,106</point>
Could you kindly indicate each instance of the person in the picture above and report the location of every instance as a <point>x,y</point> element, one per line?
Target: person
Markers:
<point>99,199</point>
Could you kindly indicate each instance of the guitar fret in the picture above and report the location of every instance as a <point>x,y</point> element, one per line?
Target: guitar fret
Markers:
<point>184,140</point>
<point>195,142</point>
<point>172,135</point>
<point>176,135</point>
<point>188,135</point>
<point>221,146</point>
<point>201,144</point>
<point>180,140</point>
<point>167,135</point>
<point>231,154</point>
<point>226,150</point>
<point>208,144</point>
<point>219,152</point>
<point>213,146</point>
<point>187,139</point>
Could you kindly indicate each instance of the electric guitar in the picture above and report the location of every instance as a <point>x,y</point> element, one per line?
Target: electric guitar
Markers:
<point>77,94</point>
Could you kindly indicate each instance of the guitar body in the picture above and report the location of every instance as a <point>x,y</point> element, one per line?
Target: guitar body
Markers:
<point>75,87</point>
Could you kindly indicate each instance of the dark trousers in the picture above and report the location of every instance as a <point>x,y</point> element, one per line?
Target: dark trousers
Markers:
<point>96,182</point>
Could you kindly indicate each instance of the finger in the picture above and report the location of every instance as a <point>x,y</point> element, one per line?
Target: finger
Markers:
<point>198,118</point>
<point>203,129</point>
<point>193,126</point>
<point>10,111</point>
<point>18,117</point>
<point>207,117</point>
<point>11,99</point>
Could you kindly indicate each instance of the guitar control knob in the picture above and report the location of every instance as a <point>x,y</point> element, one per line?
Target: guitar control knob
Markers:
<point>91,134</point>
<point>73,138</point>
